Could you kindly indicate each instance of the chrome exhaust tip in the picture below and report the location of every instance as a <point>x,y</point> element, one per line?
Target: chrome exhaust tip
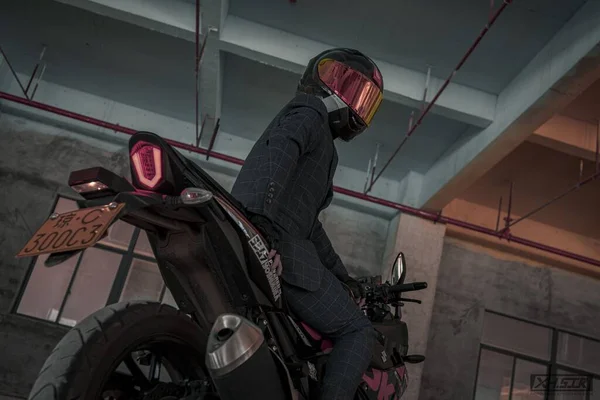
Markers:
<point>241,364</point>
<point>232,341</point>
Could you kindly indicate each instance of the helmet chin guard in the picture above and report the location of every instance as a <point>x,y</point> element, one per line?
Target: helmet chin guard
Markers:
<point>333,103</point>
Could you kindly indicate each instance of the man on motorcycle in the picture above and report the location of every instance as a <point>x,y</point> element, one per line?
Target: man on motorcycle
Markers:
<point>287,179</point>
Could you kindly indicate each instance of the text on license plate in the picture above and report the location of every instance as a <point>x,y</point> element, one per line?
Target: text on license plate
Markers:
<point>73,230</point>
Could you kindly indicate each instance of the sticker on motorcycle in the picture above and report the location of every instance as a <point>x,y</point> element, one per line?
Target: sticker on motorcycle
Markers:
<point>383,356</point>
<point>299,331</point>
<point>312,371</point>
<point>260,250</point>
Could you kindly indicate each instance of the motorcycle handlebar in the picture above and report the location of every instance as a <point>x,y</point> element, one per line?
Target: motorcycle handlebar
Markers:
<point>407,287</point>
<point>382,292</point>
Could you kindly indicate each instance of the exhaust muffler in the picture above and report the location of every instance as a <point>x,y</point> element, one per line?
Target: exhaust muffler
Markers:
<point>240,363</point>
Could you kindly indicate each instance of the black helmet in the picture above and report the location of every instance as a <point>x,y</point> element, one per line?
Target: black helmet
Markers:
<point>350,85</point>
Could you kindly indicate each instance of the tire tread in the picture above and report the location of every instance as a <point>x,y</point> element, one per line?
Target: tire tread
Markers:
<point>74,355</point>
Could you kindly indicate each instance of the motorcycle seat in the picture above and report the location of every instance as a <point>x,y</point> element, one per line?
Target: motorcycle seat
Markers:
<point>316,339</point>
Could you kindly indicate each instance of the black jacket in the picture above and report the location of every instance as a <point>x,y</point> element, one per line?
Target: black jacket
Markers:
<point>288,178</point>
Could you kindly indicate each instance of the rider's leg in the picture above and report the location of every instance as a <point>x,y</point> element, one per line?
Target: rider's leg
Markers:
<point>331,311</point>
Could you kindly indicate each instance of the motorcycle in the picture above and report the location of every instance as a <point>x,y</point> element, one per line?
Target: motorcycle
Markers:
<point>232,336</point>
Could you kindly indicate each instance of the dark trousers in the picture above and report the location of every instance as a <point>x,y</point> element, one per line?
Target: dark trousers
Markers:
<point>332,312</point>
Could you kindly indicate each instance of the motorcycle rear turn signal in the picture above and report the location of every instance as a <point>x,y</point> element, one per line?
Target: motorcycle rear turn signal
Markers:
<point>192,196</point>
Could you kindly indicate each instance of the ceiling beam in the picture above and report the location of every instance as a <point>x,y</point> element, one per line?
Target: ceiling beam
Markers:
<point>567,65</point>
<point>292,52</point>
<point>178,19</point>
<point>174,18</point>
<point>568,135</point>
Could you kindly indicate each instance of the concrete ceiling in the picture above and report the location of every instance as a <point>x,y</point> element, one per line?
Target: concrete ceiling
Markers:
<point>140,53</point>
<point>416,34</point>
<point>104,56</point>
<point>586,107</point>
<point>538,175</point>
<point>558,155</point>
<point>576,129</point>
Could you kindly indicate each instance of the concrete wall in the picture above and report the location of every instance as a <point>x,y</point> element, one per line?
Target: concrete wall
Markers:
<point>35,160</point>
<point>471,280</point>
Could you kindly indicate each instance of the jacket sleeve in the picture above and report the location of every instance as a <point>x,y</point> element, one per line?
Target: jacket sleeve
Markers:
<point>297,132</point>
<point>330,259</point>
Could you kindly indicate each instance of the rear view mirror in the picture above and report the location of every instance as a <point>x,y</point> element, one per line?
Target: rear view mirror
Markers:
<point>399,269</point>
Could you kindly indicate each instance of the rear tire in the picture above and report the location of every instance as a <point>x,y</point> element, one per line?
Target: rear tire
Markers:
<point>82,361</point>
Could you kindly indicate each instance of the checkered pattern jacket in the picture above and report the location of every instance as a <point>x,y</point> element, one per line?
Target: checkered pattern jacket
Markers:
<point>288,178</point>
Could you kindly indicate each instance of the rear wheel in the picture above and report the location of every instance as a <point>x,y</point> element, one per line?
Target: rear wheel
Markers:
<point>133,351</point>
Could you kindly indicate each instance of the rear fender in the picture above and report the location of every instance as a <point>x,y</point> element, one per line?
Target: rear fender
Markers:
<point>204,268</point>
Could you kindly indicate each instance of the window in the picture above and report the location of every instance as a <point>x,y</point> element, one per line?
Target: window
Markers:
<point>514,354</point>
<point>578,352</point>
<point>522,337</point>
<point>120,267</point>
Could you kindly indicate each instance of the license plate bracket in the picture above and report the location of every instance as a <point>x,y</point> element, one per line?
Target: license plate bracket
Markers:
<point>73,230</point>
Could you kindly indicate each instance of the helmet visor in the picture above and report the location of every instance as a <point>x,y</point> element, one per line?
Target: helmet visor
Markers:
<point>359,93</point>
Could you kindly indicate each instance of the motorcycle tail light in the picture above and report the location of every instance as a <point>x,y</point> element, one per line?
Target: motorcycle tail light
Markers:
<point>147,164</point>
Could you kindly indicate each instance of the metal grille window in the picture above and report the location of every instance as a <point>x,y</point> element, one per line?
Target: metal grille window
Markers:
<point>516,356</point>
<point>120,267</point>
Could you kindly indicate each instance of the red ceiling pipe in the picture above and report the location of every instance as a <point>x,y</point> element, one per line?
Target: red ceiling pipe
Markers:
<point>347,192</point>
<point>111,126</point>
<point>467,225</point>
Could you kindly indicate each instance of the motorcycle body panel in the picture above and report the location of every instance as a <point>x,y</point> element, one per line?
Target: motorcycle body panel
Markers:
<point>383,379</point>
<point>389,384</point>
<point>257,254</point>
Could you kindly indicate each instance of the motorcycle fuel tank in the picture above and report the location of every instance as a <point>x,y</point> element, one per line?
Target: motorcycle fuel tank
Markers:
<point>240,362</point>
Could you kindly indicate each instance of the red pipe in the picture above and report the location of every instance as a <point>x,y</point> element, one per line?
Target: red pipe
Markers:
<point>467,225</point>
<point>464,58</point>
<point>376,200</point>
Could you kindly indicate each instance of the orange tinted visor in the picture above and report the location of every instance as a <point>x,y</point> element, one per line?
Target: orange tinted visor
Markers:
<point>359,93</point>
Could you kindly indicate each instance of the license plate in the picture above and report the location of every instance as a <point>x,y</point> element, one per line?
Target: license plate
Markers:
<point>73,230</point>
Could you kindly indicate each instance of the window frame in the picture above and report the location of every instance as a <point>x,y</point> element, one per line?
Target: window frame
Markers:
<point>118,284</point>
<point>552,365</point>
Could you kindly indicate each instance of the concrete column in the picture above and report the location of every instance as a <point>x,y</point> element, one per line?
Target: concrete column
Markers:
<point>422,242</point>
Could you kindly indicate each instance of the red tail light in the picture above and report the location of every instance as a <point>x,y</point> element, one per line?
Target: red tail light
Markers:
<point>147,164</point>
